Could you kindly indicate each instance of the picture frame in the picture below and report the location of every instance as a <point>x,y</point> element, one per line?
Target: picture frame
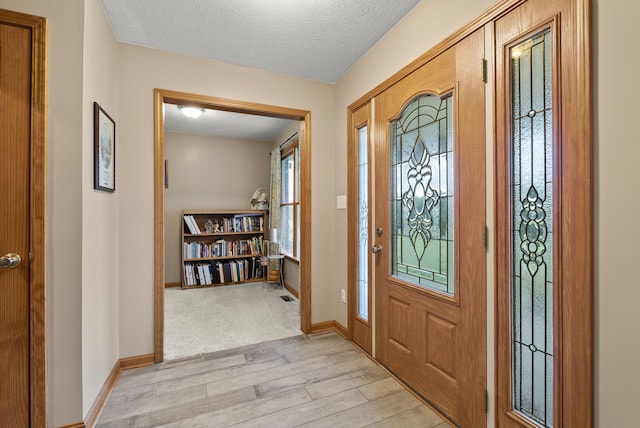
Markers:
<point>104,150</point>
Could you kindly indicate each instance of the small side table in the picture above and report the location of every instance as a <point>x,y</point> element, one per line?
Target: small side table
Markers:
<point>275,269</point>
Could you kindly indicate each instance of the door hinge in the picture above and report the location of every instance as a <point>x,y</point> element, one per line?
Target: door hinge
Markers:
<point>485,237</point>
<point>485,401</point>
<point>484,70</point>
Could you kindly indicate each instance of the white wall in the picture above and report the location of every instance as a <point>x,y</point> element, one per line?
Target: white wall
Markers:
<point>146,69</point>
<point>211,174</point>
<point>100,346</point>
<point>617,291</point>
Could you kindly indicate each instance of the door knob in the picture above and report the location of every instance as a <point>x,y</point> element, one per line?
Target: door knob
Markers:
<point>376,249</point>
<point>10,260</point>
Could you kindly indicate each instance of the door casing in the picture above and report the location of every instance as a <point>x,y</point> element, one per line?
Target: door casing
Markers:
<point>162,96</point>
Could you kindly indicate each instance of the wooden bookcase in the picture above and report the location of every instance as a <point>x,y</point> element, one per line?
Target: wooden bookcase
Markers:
<point>222,247</point>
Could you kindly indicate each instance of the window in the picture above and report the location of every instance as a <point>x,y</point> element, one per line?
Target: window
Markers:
<point>290,201</point>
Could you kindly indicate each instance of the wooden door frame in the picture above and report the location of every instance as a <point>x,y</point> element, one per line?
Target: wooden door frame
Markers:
<point>37,213</point>
<point>162,96</point>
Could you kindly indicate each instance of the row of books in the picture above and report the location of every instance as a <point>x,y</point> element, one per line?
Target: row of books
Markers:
<point>241,224</point>
<point>222,272</point>
<point>225,224</point>
<point>223,248</point>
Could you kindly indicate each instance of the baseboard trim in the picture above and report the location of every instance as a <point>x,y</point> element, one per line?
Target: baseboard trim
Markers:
<point>291,290</point>
<point>128,363</point>
<point>137,361</point>
<point>172,284</point>
<point>330,325</point>
<point>92,416</point>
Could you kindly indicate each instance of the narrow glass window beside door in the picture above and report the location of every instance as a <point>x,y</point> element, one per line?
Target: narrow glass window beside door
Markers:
<point>531,211</point>
<point>422,205</point>
<point>289,201</point>
<point>363,224</point>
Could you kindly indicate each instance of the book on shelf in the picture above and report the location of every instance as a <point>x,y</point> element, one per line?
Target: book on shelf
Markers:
<point>192,225</point>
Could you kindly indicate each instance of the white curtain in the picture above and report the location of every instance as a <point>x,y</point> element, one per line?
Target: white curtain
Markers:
<point>274,203</point>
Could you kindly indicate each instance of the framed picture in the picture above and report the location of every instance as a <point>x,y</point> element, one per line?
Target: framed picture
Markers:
<point>104,150</point>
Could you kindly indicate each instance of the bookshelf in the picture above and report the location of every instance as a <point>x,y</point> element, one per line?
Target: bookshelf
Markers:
<point>222,247</point>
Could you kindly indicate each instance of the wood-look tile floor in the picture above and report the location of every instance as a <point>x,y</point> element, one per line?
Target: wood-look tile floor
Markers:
<point>316,380</point>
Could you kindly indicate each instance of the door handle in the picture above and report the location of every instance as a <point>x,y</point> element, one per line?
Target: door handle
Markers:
<point>10,261</point>
<point>376,249</point>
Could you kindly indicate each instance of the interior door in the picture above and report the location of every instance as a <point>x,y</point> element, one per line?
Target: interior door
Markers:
<point>15,137</point>
<point>430,266</point>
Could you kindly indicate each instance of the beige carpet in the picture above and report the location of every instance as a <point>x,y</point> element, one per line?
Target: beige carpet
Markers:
<point>198,321</point>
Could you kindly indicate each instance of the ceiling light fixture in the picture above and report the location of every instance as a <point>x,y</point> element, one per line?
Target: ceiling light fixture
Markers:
<point>191,112</point>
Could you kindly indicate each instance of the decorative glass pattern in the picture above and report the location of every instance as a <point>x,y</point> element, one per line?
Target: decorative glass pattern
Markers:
<point>422,194</point>
<point>363,224</point>
<point>532,209</point>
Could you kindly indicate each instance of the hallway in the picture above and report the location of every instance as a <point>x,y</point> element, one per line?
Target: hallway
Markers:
<point>316,380</point>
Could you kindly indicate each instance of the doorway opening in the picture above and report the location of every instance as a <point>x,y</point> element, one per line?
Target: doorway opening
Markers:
<point>166,98</point>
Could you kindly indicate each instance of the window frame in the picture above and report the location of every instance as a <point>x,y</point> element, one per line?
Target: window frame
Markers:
<point>291,150</point>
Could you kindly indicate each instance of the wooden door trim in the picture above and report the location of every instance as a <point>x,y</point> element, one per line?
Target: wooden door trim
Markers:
<point>162,96</point>
<point>37,213</point>
<point>573,224</point>
<point>38,225</point>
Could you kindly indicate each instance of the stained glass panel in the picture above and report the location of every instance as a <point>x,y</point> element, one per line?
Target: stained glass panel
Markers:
<point>363,224</point>
<point>422,194</point>
<point>532,207</point>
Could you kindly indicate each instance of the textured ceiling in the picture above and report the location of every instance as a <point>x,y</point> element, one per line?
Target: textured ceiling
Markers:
<point>314,39</point>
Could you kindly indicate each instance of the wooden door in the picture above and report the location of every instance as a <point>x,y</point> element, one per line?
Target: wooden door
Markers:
<point>15,104</point>
<point>360,280</point>
<point>22,381</point>
<point>430,268</point>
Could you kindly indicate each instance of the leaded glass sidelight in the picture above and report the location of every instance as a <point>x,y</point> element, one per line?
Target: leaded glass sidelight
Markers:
<point>532,209</point>
<point>422,194</point>
<point>363,224</point>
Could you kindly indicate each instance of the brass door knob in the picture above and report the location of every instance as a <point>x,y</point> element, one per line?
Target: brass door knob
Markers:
<point>10,261</point>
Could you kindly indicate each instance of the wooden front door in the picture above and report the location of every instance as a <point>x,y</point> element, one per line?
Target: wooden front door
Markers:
<point>430,266</point>
<point>21,222</point>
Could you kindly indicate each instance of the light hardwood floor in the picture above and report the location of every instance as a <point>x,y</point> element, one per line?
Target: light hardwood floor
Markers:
<point>316,380</point>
